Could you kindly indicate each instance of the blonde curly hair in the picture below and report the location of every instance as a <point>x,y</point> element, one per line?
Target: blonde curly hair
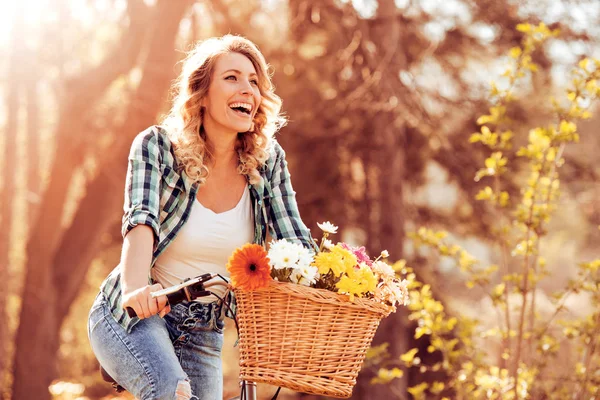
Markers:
<point>183,123</point>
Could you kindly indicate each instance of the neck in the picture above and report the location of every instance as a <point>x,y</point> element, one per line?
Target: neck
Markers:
<point>223,148</point>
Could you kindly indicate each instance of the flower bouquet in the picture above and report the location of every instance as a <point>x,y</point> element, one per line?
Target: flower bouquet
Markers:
<point>306,320</point>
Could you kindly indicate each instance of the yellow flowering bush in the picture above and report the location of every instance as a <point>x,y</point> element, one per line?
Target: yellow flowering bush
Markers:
<point>523,364</point>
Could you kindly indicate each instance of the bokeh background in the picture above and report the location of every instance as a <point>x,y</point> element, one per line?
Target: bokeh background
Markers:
<point>381,95</point>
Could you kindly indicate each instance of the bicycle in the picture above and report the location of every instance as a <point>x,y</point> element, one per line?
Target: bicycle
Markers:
<point>189,290</point>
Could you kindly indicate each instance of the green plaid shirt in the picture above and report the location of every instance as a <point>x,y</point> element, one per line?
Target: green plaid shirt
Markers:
<point>158,195</point>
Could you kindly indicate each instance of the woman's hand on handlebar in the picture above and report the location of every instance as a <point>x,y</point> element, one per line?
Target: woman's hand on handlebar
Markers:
<point>144,304</point>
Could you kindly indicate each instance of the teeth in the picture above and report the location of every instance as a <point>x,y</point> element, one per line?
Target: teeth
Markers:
<point>244,105</point>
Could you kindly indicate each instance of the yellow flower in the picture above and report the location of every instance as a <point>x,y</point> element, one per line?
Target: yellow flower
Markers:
<point>349,286</point>
<point>358,282</point>
<point>346,256</point>
<point>325,262</point>
<point>385,376</point>
<point>368,278</point>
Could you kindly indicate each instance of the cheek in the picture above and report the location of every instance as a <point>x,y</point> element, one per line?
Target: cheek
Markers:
<point>219,94</point>
<point>257,99</point>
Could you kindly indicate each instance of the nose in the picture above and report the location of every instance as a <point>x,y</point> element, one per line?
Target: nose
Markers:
<point>246,88</point>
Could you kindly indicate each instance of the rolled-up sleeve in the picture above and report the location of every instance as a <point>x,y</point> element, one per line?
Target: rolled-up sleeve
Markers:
<point>142,185</point>
<point>284,218</point>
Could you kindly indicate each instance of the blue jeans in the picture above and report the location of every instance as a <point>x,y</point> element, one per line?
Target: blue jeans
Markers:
<point>162,358</point>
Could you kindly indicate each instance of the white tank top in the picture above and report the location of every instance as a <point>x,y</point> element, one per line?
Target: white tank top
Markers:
<point>204,244</point>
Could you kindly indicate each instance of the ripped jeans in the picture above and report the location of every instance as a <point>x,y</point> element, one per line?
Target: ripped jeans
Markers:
<point>162,358</point>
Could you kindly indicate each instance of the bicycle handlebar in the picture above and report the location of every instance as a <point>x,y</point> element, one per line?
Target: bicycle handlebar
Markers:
<point>189,290</point>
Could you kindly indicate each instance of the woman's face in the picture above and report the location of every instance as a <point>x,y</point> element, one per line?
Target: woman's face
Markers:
<point>233,96</point>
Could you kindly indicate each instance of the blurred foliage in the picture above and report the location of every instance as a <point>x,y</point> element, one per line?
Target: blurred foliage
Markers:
<point>384,98</point>
<point>524,365</point>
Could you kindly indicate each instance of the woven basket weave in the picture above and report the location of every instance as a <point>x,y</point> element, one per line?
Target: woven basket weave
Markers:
<point>305,339</point>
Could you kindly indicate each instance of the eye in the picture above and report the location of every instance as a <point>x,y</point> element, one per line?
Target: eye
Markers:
<point>254,81</point>
<point>231,76</point>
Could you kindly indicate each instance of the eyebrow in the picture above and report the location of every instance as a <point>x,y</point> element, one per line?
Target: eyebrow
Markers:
<point>237,72</point>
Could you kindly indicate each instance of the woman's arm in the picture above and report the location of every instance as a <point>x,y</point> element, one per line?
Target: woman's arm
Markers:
<point>142,185</point>
<point>141,225</point>
<point>136,258</point>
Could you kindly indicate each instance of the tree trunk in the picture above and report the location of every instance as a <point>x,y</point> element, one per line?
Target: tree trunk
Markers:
<point>81,241</point>
<point>393,329</point>
<point>8,168</point>
<point>37,335</point>
<point>389,161</point>
<point>100,207</point>
<point>388,231</point>
<point>33,186</point>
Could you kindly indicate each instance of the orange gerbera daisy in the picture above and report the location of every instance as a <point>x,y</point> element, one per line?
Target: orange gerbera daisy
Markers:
<point>249,267</point>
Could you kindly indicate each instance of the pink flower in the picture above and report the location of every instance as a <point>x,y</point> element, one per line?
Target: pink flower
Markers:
<point>360,253</point>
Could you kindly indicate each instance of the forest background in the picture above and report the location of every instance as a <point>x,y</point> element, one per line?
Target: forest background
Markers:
<point>382,96</point>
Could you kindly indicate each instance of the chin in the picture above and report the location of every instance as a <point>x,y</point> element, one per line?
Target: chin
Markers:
<point>242,128</point>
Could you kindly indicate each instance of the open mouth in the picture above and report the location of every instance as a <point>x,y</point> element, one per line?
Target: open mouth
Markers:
<point>244,109</point>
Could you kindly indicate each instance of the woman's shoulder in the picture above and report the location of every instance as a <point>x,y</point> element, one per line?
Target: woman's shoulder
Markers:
<point>152,142</point>
<point>155,135</point>
<point>275,152</point>
<point>274,160</point>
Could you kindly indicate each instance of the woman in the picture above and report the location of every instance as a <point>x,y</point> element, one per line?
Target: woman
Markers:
<point>208,180</point>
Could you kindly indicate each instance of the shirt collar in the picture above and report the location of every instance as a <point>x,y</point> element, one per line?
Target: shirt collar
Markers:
<point>258,187</point>
<point>187,182</point>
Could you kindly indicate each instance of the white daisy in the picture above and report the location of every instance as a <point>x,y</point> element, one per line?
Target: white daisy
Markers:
<point>305,258</point>
<point>327,227</point>
<point>279,255</point>
<point>305,276</point>
<point>327,244</point>
<point>284,254</point>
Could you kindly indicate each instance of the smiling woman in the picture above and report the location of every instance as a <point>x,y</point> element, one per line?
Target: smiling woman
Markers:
<point>233,97</point>
<point>207,181</point>
<point>237,73</point>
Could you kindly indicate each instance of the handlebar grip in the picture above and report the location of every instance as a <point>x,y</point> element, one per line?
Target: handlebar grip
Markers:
<point>176,297</point>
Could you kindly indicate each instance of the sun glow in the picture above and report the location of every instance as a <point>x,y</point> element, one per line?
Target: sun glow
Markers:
<point>44,16</point>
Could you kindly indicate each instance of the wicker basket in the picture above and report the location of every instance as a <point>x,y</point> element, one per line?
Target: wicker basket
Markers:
<point>308,340</point>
